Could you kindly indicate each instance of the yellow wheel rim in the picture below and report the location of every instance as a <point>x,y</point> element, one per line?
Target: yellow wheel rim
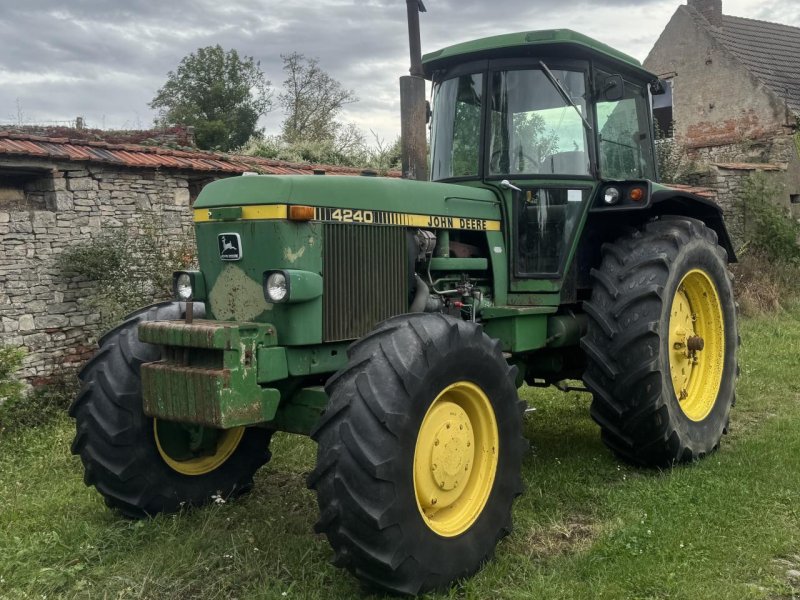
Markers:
<point>455,458</point>
<point>227,441</point>
<point>696,344</point>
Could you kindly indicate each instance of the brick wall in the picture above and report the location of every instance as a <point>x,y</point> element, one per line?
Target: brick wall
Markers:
<point>60,206</point>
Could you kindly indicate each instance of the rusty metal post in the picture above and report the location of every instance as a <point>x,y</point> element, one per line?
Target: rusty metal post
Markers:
<point>413,113</point>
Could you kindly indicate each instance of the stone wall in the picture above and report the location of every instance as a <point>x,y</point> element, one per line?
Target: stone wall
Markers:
<point>726,168</point>
<point>727,181</point>
<point>58,206</point>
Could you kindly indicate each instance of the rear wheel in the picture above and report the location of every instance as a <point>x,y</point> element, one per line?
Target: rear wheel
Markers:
<point>143,466</point>
<point>662,342</point>
<point>420,454</point>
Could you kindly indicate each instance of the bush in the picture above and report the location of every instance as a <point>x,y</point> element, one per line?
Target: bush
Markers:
<point>131,266</point>
<point>764,286</point>
<point>11,388</point>
<point>674,165</point>
<point>768,230</point>
<point>347,151</point>
<point>768,273</point>
<point>41,405</point>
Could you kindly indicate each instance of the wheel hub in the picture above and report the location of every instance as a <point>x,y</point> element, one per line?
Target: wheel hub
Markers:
<point>194,450</point>
<point>697,344</point>
<point>455,458</point>
<point>453,450</point>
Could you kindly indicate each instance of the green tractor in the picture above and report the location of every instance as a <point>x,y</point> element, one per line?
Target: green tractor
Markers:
<point>394,321</point>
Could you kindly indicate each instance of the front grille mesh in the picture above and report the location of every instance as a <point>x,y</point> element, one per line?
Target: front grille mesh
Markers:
<point>365,278</point>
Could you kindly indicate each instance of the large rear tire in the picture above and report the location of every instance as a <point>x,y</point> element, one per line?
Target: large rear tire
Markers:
<point>420,453</point>
<point>661,343</point>
<point>142,466</point>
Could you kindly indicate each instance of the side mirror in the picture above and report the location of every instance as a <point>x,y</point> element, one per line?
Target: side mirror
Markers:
<point>613,88</point>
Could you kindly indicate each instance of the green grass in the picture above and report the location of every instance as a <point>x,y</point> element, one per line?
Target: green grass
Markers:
<point>587,526</point>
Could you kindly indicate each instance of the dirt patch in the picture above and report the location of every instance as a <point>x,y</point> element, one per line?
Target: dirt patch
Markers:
<point>563,537</point>
<point>790,566</point>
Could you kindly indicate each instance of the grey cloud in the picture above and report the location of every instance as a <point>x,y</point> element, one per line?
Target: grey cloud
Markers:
<point>122,50</point>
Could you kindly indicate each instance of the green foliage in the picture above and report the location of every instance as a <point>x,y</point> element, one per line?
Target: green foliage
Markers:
<point>219,93</point>
<point>768,271</point>
<point>380,157</point>
<point>768,229</point>
<point>312,100</point>
<point>674,166</point>
<point>131,267</point>
<point>11,388</point>
<point>41,405</point>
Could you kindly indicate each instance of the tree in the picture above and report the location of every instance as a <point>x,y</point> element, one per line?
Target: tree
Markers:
<point>219,93</point>
<point>312,100</point>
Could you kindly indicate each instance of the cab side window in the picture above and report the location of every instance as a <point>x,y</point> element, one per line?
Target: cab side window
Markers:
<point>624,134</point>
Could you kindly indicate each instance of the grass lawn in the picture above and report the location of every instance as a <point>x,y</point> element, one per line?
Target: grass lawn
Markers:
<point>587,526</point>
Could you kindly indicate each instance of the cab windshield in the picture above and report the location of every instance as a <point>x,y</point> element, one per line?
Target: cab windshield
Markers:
<point>533,129</point>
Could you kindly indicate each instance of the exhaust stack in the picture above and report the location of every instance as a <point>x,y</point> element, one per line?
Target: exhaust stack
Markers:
<point>413,111</point>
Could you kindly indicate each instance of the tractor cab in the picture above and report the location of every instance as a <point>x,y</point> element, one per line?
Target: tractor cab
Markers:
<point>542,104</point>
<point>548,115</point>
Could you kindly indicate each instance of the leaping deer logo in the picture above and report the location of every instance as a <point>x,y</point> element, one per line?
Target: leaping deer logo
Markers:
<point>230,247</point>
<point>226,245</point>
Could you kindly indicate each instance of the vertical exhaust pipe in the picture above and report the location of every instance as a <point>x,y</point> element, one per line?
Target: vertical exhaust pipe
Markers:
<point>413,111</point>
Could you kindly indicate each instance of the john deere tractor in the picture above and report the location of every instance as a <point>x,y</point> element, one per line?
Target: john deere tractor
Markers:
<point>394,321</point>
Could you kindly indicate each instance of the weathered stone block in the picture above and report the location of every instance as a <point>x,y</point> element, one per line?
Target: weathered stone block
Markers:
<point>43,219</point>
<point>182,197</point>
<point>51,321</point>
<point>81,184</point>
<point>36,340</point>
<point>26,323</point>
<point>60,201</point>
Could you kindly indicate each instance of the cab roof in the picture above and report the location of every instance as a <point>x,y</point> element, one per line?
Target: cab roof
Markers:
<point>559,42</point>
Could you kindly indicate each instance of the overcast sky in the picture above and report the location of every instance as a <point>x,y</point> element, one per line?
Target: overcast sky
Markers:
<point>105,59</point>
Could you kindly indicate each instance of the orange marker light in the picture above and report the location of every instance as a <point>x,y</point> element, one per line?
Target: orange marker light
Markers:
<point>637,194</point>
<point>301,213</point>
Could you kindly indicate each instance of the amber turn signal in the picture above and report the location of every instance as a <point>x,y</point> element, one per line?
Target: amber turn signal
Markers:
<point>301,213</point>
<point>637,194</point>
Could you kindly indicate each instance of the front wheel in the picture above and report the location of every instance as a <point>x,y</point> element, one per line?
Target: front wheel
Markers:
<point>662,342</point>
<point>143,466</point>
<point>420,454</point>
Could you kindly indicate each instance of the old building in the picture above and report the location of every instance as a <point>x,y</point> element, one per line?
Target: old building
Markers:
<point>57,193</point>
<point>733,100</point>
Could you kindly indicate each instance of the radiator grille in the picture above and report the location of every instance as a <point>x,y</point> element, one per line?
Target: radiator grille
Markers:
<point>365,278</point>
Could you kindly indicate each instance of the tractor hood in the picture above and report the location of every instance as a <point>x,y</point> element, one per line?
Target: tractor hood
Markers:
<point>350,192</point>
<point>342,241</point>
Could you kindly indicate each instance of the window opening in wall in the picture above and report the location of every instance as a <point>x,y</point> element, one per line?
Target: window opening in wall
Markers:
<point>22,188</point>
<point>196,186</point>
<point>662,112</point>
<point>794,198</point>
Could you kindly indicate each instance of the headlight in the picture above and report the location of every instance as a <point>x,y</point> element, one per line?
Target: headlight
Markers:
<point>611,195</point>
<point>183,286</point>
<point>276,288</point>
<point>189,285</point>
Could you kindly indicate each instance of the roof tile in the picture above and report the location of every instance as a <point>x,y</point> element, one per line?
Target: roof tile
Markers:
<point>770,51</point>
<point>133,155</point>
